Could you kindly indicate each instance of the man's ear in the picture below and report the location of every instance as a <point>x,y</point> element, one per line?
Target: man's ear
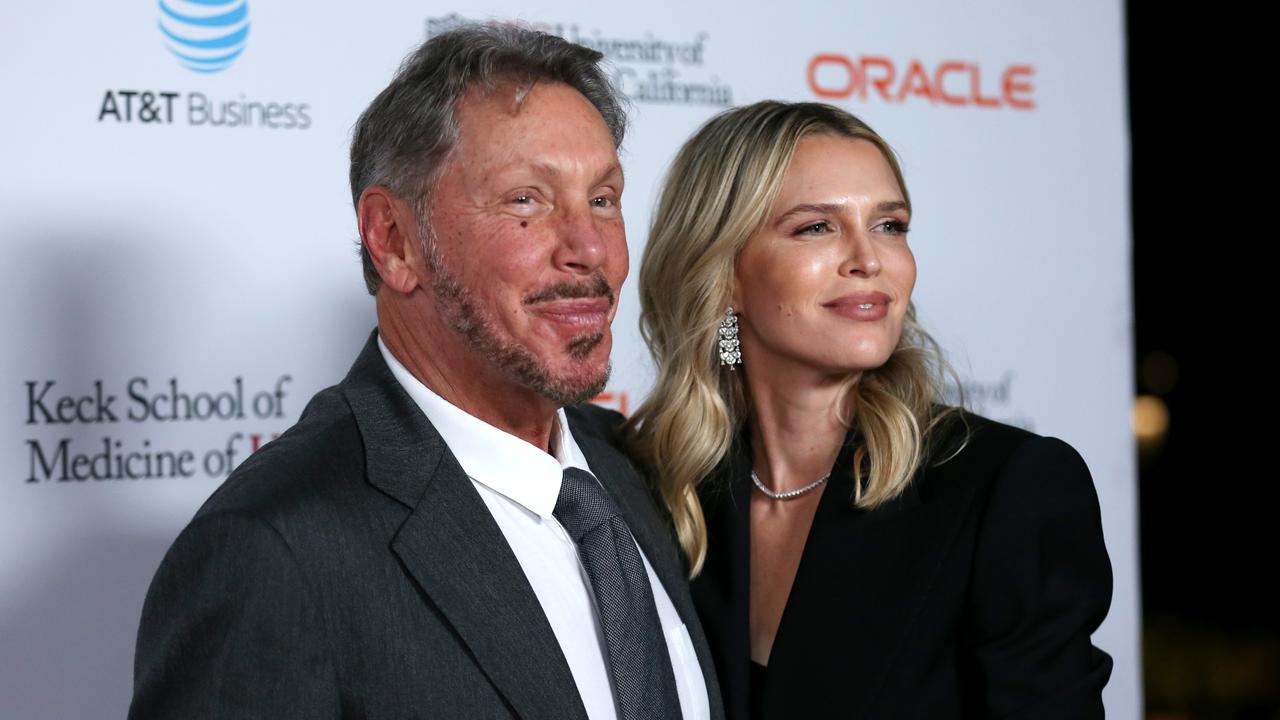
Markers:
<point>390,235</point>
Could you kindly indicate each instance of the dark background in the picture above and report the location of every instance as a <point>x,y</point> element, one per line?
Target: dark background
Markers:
<point>1201,279</point>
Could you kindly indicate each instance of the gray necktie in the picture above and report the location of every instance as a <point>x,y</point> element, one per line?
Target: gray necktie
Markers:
<point>643,684</point>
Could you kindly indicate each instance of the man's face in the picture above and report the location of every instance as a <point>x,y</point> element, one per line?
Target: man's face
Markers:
<point>527,249</point>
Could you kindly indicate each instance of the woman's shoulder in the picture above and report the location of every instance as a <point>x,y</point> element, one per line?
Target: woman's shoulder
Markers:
<point>973,449</point>
<point>976,434</point>
<point>1039,580</point>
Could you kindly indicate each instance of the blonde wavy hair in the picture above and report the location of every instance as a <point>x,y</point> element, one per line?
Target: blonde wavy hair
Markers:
<point>717,194</point>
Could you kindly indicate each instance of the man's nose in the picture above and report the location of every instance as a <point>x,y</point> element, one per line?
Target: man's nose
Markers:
<point>582,245</point>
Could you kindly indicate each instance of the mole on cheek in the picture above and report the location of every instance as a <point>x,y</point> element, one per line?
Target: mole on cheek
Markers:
<point>524,223</point>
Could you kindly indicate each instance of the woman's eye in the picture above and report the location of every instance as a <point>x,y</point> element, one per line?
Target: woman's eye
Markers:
<point>522,199</point>
<point>817,228</point>
<point>894,227</point>
<point>601,202</point>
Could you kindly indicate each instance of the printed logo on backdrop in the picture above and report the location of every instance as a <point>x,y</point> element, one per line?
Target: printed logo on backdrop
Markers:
<point>614,400</point>
<point>949,83</point>
<point>647,69</point>
<point>993,399</point>
<point>206,37</point>
<point>100,432</point>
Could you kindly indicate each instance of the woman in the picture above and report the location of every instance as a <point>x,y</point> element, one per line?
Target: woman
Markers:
<point>858,549</point>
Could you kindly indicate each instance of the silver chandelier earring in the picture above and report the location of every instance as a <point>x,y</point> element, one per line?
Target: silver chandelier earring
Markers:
<point>730,351</point>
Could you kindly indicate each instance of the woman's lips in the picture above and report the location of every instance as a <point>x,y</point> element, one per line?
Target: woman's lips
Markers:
<point>860,305</point>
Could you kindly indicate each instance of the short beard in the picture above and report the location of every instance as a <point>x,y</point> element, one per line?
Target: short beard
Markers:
<point>514,359</point>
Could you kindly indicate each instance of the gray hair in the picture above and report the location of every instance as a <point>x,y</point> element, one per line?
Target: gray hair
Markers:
<point>403,138</point>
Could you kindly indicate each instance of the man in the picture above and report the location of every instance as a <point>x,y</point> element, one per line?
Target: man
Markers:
<point>437,536</point>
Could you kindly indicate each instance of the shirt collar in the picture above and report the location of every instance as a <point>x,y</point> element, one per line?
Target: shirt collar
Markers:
<point>504,463</point>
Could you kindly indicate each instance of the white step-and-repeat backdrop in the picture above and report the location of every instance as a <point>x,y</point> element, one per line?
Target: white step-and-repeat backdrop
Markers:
<point>180,274</point>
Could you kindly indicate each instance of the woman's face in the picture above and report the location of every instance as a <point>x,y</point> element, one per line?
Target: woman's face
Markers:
<point>824,284</point>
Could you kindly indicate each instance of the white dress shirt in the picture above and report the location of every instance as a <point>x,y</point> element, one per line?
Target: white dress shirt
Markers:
<point>520,484</point>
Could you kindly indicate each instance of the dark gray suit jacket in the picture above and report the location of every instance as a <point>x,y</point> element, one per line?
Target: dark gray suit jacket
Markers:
<point>350,569</point>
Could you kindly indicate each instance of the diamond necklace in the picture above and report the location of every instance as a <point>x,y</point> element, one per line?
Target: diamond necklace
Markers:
<point>790,493</point>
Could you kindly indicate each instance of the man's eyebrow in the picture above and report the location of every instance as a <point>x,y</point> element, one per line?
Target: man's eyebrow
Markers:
<point>614,169</point>
<point>543,168</point>
<point>554,171</point>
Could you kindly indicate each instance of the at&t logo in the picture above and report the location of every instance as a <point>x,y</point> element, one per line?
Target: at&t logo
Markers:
<point>205,35</point>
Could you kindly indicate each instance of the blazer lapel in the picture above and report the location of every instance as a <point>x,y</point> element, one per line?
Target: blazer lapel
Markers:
<point>722,591</point>
<point>453,548</point>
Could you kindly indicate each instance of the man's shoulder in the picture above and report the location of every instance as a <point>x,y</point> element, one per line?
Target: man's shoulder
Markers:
<point>312,459</point>
<point>595,422</point>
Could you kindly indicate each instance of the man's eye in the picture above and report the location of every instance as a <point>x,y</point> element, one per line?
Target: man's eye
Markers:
<point>522,199</point>
<point>894,227</point>
<point>601,202</point>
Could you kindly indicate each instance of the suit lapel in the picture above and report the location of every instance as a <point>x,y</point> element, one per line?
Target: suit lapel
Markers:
<point>454,550</point>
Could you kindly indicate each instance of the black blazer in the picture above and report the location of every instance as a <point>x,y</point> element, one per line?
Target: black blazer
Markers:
<point>350,569</point>
<point>973,595</point>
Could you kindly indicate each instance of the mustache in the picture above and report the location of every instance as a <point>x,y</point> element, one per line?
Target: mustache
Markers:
<point>596,286</point>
